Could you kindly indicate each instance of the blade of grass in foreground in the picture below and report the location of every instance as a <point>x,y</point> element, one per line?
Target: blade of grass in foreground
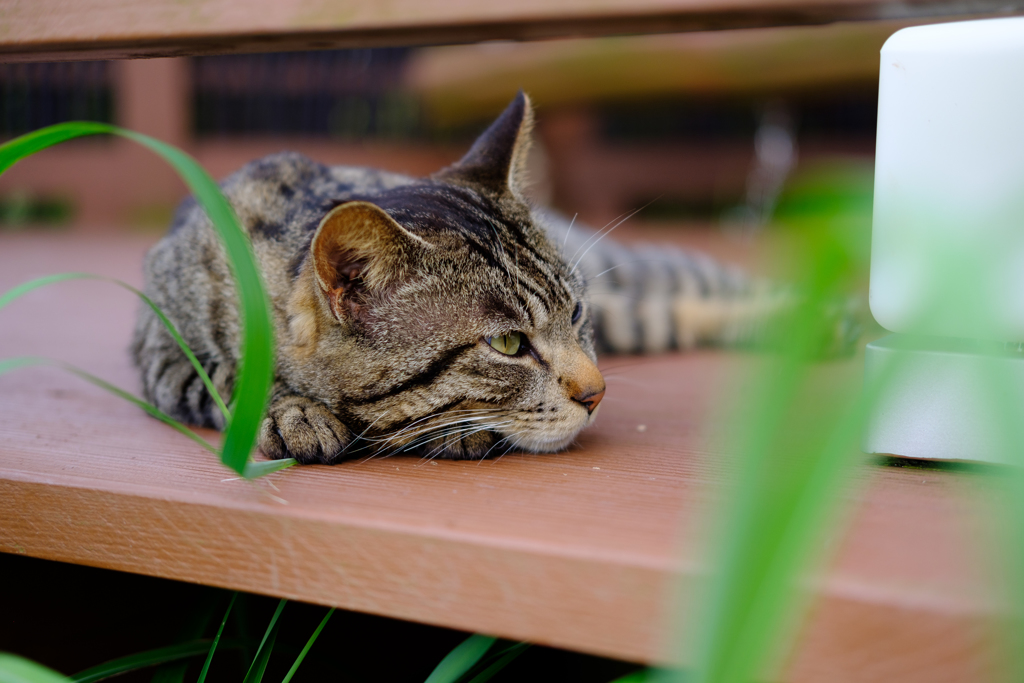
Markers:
<point>796,443</point>
<point>461,659</point>
<point>142,660</point>
<point>216,640</point>
<point>259,664</point>
<point>503,659</point>
<point>255,373</point>
<point>15,669</point>
<point>305,650</point>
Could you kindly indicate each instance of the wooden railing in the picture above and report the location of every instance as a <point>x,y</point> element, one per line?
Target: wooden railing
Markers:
<point>116,29</point>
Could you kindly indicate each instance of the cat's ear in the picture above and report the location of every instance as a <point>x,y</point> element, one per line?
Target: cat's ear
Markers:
<point>358,248</point>
<point>497,160</point>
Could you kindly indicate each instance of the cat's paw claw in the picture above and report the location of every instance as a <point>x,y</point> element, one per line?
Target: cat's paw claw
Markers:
<point>303,429</point>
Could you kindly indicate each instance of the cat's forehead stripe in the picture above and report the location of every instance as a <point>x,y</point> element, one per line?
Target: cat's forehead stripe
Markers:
<point>521,278</point>
<point>500,240</point>
<point>554,286</point>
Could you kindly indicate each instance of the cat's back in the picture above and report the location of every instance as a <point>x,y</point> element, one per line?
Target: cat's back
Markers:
<point>279,200</point>
<point>283,196</point>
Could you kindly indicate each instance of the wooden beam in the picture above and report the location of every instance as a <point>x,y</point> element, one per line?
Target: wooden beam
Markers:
<point>462,83</point>
<point>37,30</point>
<point>577,550</point>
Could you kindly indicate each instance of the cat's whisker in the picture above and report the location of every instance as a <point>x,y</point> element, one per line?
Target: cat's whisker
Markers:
<point>495,445</point>
<point>475,430</point>
<point>566,240</point>
<point>430,429</point>
<point>483,428</point>
<point>363,433</point>
<point>401,432</point>
<point>603,233</point>
<point>514,445</point>
<point>601,236</point>
<point>447,430</point>
<point>595,235</point>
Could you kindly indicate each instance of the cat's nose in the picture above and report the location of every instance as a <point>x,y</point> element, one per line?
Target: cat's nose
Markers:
<point>582,380</point>
<point>589,401</point>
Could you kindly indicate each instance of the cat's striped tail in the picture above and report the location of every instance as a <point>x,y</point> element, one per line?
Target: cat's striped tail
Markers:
<point>654,298</point>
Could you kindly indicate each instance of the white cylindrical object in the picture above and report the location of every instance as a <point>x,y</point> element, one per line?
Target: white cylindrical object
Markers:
<point>947,252</point>
<point>944,399</point>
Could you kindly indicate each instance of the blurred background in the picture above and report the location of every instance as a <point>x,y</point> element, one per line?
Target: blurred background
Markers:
<point>702,132</point>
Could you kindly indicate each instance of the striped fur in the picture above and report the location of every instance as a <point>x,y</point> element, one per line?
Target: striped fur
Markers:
<point>656,298</point>
<point>385,290</point>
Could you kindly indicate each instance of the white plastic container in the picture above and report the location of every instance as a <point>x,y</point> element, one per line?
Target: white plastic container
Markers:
<point>947,254</point>
<point>947,250</point>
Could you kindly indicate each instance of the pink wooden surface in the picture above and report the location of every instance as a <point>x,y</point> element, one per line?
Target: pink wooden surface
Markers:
<point>575,549</point>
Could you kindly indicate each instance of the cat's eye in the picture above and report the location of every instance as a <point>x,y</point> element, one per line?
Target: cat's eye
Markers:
<point>577,312</point>
<point>508,344</point>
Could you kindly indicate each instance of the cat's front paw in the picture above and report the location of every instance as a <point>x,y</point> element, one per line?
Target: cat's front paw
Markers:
<point>304,429</point>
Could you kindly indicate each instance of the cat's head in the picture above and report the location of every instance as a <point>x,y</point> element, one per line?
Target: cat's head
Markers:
<point>438,318</point>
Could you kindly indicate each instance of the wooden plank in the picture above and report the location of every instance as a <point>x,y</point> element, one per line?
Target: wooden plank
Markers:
<point>110,29</point>
<point>576,550</point>
<point>460,83</point>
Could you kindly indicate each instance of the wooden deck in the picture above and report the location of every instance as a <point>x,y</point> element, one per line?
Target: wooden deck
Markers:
<point>41,30</point>
<point>575,550</point>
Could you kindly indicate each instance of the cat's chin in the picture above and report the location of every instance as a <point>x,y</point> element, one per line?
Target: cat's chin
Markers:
<point>543,443</point>
<point>546,443</point>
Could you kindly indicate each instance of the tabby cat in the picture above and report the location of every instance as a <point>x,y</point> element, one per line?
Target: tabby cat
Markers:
<point>443,316</point>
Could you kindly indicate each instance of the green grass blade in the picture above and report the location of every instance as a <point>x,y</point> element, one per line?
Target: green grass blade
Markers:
<point>259,664</point>
<point>142,660</point>
<point>505,658</point>
<point>494,656</point>
<point>27,361</point>
<point>15,669</point>
<point>256,370</point>
<point>216,640</point>
<point>15,150</point>
<point>9,364</point>
<point>309,643</point>
<point>796,444</point>
<point>264,467</point>
<point>461,659</point>
<point>255,373</point>
<point>27,287</point>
